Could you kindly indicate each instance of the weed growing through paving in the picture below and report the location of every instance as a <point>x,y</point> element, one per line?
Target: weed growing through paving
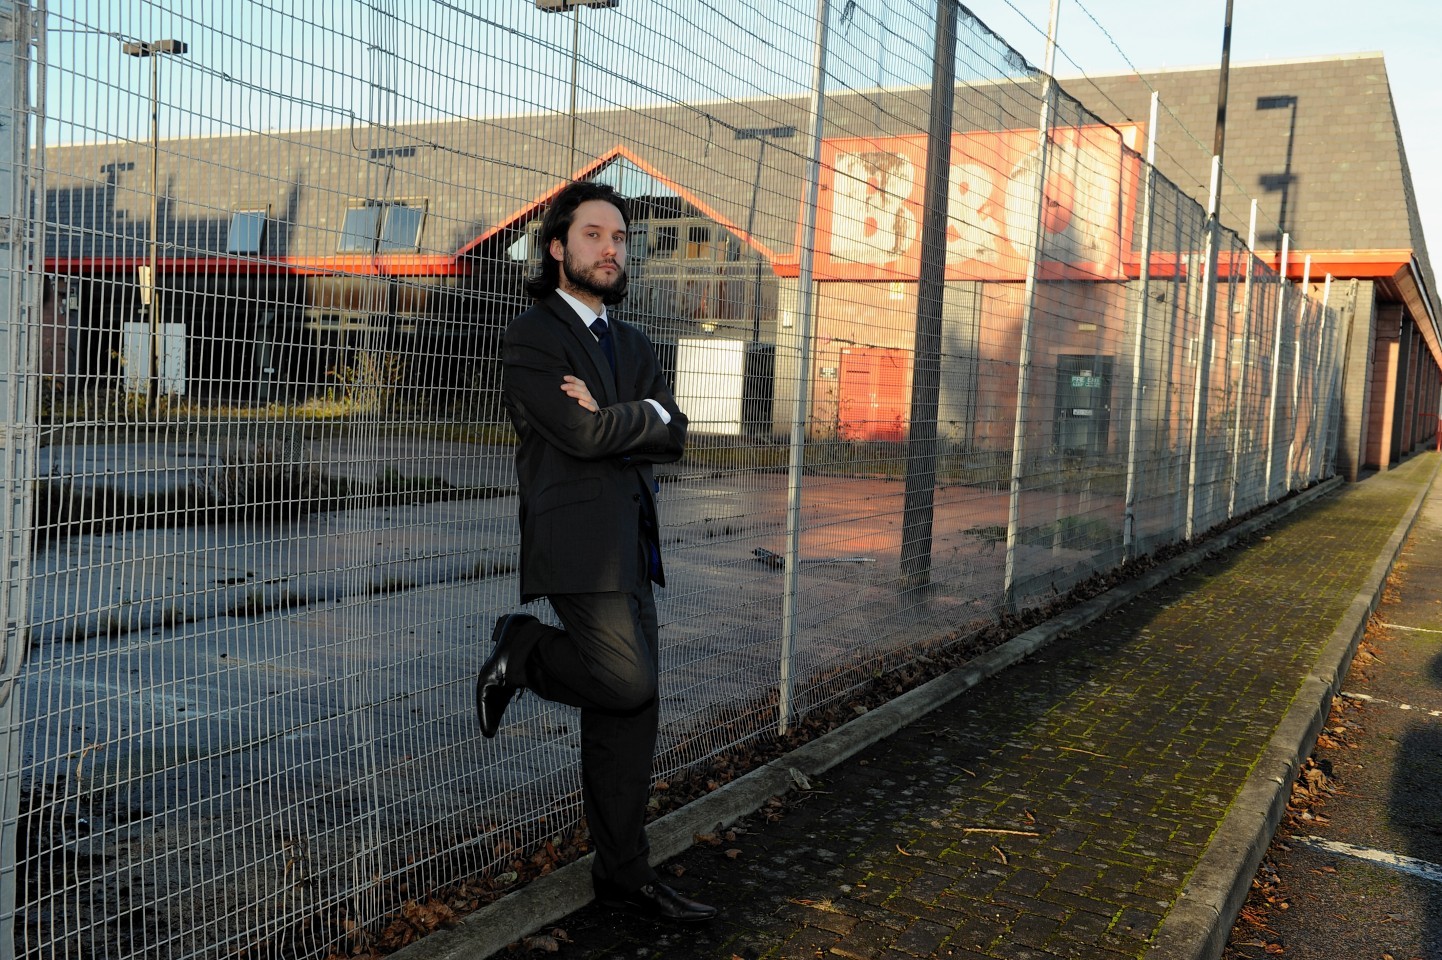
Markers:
<point>368,384</point>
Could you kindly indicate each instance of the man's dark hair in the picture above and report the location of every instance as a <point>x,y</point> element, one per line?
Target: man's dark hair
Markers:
<point>557,226</point>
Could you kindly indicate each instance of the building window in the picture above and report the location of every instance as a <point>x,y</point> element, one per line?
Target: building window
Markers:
<point>247,231</point>
<point>687,239</point>
<point>663,243</point>
<point>698,242</point>
<point>401,228</point>
<point>378,225</point>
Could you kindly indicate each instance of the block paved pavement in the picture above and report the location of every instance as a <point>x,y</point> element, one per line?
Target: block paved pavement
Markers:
<point>1067,805</point>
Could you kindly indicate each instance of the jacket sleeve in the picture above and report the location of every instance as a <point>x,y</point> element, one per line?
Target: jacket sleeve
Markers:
<point>534,365</point>
<point>676,429</point>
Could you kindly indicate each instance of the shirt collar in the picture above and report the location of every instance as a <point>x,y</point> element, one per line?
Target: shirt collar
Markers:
<point>584,312</point>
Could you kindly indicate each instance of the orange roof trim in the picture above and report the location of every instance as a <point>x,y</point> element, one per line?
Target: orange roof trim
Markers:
<point>379,265</point>
<point>616,152</point>
<point>373,265</point>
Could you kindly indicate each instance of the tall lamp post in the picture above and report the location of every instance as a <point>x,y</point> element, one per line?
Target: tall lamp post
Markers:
<point>558,6</point>
<point>763,135</point>
<point>153,49</point>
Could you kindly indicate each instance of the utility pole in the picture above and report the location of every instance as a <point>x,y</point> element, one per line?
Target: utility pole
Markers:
<point>919,497</point>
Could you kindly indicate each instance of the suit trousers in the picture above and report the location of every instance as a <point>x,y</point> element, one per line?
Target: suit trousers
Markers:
<point>605,662</point>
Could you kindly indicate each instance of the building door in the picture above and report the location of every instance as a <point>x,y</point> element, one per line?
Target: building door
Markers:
<point>1083,405</point>
<point>873,394</point>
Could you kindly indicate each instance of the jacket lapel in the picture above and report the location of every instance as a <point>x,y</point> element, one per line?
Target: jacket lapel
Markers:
<point>603,378</point>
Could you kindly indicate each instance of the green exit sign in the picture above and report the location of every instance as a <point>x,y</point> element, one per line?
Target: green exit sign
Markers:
<point>1085,381</point>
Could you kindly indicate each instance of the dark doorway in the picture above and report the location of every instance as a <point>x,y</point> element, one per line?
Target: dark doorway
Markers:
<point>1083,405</point>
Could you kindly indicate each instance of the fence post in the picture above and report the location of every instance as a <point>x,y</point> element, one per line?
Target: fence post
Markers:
<point>919,499</point>
<point>18,430</point>
<point>1325,357</point>
<point>1297,369</point>
<point>1180,267</point>
<point>1341,333</point>
<point>801,412</point>
<point>1139,342</point>
<point>1023,372</point>
<point>1204,342</point>
<point>1246,358</point>
<point>1342,360</point>
<point>1276,366</point>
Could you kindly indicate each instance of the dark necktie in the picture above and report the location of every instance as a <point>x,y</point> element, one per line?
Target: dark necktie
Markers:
<point>602,330</point>
<point>649,533</point>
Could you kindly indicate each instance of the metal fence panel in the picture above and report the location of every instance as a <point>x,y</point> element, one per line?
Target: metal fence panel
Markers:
<point>18,334</point>
<point>273,494</point>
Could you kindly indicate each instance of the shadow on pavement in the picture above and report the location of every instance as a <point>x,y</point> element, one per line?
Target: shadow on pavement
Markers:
<point>1415,806</point>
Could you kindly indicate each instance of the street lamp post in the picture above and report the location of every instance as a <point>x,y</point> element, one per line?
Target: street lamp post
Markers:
<point>153,49</point>
<point>763,135</point>
<point>558,6</point>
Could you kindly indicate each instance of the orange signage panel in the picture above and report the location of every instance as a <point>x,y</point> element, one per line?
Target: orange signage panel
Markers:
<point>870,212</point>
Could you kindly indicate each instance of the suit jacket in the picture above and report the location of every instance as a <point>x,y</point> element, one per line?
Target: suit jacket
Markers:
<point>585,479</point>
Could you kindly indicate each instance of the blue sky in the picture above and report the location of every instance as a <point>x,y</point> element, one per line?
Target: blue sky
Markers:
<point>288,64</point>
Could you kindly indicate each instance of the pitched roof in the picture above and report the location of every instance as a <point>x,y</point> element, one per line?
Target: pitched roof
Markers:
<point>1316,141</point>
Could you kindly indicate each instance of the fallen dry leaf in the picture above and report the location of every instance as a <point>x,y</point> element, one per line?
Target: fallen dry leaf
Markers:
<point>429,915</point>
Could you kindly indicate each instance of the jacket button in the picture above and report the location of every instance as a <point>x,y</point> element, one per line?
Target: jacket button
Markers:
<point>636,497</point>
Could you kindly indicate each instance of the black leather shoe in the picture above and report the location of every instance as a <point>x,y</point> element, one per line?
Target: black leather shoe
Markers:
<point>493,689</point>
<point>655,901</point>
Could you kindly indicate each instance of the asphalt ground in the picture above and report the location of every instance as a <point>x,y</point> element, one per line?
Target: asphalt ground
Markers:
<point>1354,871</point>
<point>1102,786</point>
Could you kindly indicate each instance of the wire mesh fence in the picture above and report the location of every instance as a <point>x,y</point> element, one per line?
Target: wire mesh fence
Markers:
<point>948,344</point>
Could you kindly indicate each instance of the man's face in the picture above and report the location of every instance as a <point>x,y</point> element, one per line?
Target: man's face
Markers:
<point>593,258</point>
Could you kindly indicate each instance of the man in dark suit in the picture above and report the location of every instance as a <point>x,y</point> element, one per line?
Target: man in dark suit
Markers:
<point>593,414</point>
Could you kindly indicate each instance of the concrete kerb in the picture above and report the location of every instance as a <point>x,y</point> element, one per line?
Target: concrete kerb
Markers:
<point>549,898</point>
<point>1201,920</point>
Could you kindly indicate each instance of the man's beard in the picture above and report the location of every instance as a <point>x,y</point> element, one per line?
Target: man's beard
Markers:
<point>590,280</point>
